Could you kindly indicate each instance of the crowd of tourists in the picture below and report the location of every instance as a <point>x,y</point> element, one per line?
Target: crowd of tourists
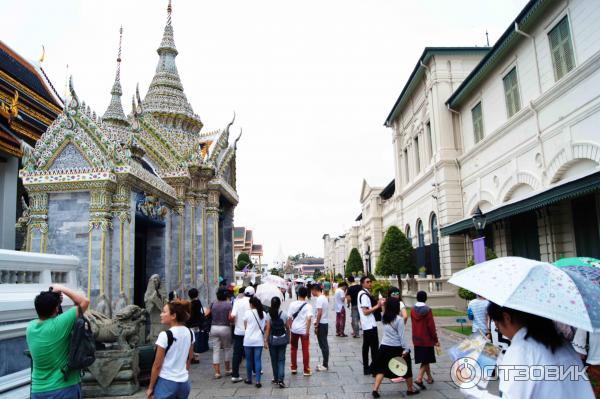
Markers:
<point>240,326</point>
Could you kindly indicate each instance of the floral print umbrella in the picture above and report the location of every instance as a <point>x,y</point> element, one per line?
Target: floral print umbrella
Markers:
<point>581,261</point>
<point>565,294</point>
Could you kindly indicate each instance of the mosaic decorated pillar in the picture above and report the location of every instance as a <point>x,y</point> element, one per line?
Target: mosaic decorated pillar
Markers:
<point>212,243</point>
<point>199,245</point>
<point>226,244</point>
<point>189,272</point>
<point>37,231</point>
<point>121,266</point>
<point>99,246</point>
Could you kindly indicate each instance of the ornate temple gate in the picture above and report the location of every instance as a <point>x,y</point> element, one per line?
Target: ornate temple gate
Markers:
<point>135,195</point>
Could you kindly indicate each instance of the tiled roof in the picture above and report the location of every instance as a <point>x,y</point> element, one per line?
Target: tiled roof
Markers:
<point>17,67</point>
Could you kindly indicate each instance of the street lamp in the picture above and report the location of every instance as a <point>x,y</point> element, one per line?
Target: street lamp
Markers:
<point>479,221</point>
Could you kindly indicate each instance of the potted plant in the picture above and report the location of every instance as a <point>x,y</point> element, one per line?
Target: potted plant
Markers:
<point>422,272</point>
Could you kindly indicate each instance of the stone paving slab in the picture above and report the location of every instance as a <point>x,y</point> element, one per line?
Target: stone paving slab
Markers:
<point>344,380</point>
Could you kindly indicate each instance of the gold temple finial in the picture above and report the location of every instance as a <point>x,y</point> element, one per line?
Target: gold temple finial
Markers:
<point>12,110</point>
<point>43,56</point>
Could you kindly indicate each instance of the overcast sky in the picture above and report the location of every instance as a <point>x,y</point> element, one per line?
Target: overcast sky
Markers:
<point>311,83</point>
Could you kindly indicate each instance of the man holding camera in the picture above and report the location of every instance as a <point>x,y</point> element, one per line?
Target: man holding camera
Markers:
<point>48,340</point>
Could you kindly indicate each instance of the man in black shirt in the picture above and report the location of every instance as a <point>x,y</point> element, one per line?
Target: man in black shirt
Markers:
<point>351,298</point>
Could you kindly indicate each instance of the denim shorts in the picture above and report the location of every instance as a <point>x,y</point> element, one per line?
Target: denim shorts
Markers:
<point>167,389</point>
<point>72,392</point>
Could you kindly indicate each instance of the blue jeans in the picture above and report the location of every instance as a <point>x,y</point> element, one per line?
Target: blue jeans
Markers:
<point>72,392</point>
<point>167,389</point>
<point>278,361</point>
<point>253,361</point>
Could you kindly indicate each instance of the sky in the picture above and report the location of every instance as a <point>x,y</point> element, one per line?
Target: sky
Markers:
<point>311,83</point>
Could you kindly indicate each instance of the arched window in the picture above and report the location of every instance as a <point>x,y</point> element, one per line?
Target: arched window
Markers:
<point>434,229</point>
<point>420,233</point>
<point>408,234</point>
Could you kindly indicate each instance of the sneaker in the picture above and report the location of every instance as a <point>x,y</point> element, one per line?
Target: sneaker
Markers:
<point>294,371</point>
<point>249,382</point>
<point>321,368</point>
<point>308,373</point>
<point>258,385</point>
<point>281,384</point>
<point>274,381</point>
<point>236,379</point>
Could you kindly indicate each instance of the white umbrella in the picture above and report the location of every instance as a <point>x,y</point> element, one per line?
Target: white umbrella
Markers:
<point>299,280</point>
<point>275,280</point>
<point>534,287</point>
<point>266,291</point>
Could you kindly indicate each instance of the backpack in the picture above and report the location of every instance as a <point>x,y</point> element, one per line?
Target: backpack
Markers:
<point>278,326</point>
<point>377,313</point>
<point>82,348</point>
<point>279,335</point>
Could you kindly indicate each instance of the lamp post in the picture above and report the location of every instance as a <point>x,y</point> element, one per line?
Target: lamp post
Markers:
<point>479,221</point>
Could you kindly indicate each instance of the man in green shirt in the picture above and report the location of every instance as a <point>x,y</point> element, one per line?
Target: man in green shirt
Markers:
<point>48,340</point>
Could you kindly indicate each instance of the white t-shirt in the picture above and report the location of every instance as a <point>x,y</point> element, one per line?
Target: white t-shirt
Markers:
<point>174,366</point>
<point>338,300</point>
<point>240,306</point>
<point>299,323</point>
<point>322,303</point>
<point>255,327</point>
<point>367,322</point>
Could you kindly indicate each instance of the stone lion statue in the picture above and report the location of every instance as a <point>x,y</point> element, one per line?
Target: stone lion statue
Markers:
<point>155,299</point>
<point>126,328</point>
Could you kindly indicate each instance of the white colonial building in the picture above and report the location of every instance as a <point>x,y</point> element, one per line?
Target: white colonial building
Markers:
<point>512,130</point>
<point>529,118</point>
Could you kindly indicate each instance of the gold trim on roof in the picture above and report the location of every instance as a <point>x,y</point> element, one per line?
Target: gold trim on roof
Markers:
<point>30,92</point>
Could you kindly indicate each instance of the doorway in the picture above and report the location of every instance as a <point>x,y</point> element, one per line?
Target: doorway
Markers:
<point>148,255</point>
<point>524,236</point>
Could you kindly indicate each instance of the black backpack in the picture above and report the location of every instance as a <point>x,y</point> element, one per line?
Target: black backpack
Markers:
<point>377,313</point>
<point>278,326</point>
<point>82,348</point>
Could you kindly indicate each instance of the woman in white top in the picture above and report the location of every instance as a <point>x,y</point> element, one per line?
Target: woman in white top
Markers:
<point>534,342</point>
<point>392,345</point>
<point>174,353</point>
<point>254,339</point>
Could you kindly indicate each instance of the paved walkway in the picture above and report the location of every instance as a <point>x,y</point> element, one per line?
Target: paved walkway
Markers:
<point>344,380</point>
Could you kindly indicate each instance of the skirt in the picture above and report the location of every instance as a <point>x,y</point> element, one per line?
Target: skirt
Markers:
<point>384,355</point>
<point>424,354</point>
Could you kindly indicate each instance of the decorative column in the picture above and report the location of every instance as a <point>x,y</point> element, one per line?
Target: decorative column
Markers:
<point>37,231</point>
<point>226,249</point>
<point>100,224</point>
<point>212,242</point>
<point>190,237</point>
<point>121,269</point>
<point>199,242</point>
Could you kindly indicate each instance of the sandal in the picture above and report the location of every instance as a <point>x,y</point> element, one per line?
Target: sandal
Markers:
<point>409,393</point>
<point>430,381</point>
<point>217,376</point>
<point>420,385</point>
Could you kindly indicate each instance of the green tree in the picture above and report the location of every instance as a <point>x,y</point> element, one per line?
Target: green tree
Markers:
<point>466,294</point>
<point>317,274</point>
<point>276,272</point>
<point>243,260</point>
<point>397,255</point>
<point>354,264</point>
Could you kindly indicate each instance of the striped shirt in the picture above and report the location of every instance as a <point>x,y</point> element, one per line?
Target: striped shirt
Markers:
<point>479,309</point>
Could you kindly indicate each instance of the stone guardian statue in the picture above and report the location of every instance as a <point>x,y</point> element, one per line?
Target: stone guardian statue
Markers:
<point>155,299</point>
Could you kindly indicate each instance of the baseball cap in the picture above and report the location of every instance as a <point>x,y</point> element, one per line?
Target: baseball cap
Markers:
<point>249,291</point>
